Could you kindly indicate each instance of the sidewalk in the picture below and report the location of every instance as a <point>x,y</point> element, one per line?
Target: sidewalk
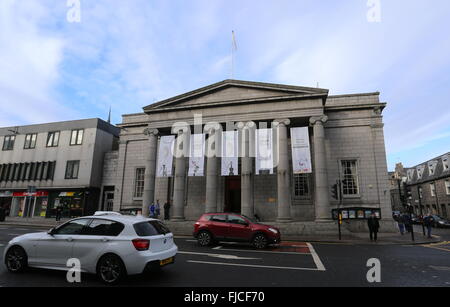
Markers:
<point>290,232</point>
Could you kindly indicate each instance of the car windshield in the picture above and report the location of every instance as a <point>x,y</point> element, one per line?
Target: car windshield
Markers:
<point>253,220</point>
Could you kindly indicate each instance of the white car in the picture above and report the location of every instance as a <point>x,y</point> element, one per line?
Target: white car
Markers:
<point>108,244</point>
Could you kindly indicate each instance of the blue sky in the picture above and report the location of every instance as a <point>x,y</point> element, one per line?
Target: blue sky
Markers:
<point>128,54</point>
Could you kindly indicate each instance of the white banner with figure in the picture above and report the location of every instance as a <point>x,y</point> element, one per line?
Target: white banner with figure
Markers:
<point>264,151</point>
<point>301,152</point>
<point>165,156</point>
<point>197,155</point>
<point>230,153</point>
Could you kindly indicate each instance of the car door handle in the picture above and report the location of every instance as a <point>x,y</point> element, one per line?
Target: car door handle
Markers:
<point>105,240</point>
<point>69,239</point>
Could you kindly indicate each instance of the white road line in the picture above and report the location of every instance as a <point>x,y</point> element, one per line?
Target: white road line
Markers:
<point>319,264</point>
<point>218,247</point>
<point>222,256</point>
<point>1,245</point>
<point>264,251</point>
<point>254,266</point>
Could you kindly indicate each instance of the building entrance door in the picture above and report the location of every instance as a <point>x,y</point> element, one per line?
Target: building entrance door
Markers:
<point>233,194</point>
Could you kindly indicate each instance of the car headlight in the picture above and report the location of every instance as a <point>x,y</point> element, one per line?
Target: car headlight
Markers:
<point>441,222</point>
<point>273,230</point>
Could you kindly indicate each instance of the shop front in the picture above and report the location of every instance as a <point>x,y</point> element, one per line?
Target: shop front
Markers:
<point>6,198</point>
<point>71,202</point>
<point>25,204</point>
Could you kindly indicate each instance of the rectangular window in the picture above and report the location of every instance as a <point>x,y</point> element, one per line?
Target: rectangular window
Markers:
<point>433,189</point>
<point>447,187</point>
<point>72,168</point>
<point>53,139</point>
<point>139,182</point>
<point>76,138</point>
<point>445,163</point>
<point>8,142</point>
<point>350,177</point>
<point>301,185</point>
<point>30,141</point>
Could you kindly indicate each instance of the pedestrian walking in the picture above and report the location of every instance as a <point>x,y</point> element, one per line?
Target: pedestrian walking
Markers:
<point>157,209</point>
<point>428,222</point>
<point>374,226</point>
<point>59,210</point>
<point>167,210</point>
<point>401,224</point>
<point>408,222</point>
<point>2,214</point>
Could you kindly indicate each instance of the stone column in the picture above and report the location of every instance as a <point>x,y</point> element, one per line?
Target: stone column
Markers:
<point>247,152</point>
<point>181,153</point>
<point>283,180</point>
<point>322,201</point>
<point>150,170</point>
<point>213,130</point>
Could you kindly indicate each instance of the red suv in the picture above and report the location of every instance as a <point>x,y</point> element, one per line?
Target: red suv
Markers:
<point>214,227</point>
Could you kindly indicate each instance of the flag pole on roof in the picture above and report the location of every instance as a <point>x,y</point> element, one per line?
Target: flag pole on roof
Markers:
<point>233,50</point>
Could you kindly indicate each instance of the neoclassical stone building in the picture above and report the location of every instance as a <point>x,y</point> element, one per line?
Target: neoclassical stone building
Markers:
<point>346,143</point>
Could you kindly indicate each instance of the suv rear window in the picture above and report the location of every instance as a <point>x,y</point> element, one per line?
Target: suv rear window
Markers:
<point>150,228</point>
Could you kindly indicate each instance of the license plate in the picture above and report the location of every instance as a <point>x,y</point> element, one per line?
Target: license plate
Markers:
<point>166,261</point>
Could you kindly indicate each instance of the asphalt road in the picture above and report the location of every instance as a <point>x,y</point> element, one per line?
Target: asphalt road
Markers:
<point>294,264</point>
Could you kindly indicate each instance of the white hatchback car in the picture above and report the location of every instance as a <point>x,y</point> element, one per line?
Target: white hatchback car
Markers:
<point>108,244</point>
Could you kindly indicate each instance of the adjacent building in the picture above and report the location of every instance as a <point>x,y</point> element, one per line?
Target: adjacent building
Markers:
<point>428,186</point>
<point>342,142</point>
<point>55,164</point>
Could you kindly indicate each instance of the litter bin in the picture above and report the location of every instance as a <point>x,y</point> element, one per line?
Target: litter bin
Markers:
<point>2,214</point>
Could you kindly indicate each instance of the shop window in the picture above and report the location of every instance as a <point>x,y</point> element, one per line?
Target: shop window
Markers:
<point>30,141</point>
<point>8,142</point>
<point>350,177</point>
<point>76,137</point>
<point>301,185</point>
<point>53,139</point>
<point>72,168</point>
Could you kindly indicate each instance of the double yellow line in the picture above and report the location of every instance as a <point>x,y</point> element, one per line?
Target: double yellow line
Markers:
<point>437,246</point>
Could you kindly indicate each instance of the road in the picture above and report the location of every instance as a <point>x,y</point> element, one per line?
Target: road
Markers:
<point>293,264</point>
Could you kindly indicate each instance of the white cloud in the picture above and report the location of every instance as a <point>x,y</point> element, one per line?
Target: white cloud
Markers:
<point>29,63</point>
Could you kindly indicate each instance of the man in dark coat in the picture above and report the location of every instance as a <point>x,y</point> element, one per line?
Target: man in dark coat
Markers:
<point>167,210</point>
<point>374,225</point>
<point>428,222</point>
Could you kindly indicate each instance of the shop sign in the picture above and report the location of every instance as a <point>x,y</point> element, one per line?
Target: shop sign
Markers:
<point>25,194</point>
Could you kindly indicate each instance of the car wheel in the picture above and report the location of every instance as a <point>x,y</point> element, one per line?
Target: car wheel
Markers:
<point>260,241</point>
<point>204,238</point>
<point>16,259</point>
<point>110,269</point>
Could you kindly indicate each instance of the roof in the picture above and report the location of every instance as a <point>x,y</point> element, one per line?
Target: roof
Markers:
<point>430,170</point>
<point>284,91</point>
<point>125,219</point>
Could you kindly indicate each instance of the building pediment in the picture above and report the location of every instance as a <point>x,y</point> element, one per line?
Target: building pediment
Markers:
<point>235,92</point>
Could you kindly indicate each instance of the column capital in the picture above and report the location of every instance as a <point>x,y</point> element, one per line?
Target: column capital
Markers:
<point>281,122</point>
<point>151,132</point>
<point>318,119</point>
<point>246,125</point>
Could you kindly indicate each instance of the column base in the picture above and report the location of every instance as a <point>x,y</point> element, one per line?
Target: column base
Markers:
<point>323,220</point>
<point>177,219</point>
<point>284,220</point>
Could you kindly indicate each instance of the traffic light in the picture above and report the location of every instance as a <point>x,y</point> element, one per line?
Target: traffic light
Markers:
<point>335,192</point>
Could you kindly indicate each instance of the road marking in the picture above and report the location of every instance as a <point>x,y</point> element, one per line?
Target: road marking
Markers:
<point>263,251</point>
<point>218,247</point>
<point>1,245</point>
<point>316,258</point>
<point>222,256</point>
<point>254,266</point>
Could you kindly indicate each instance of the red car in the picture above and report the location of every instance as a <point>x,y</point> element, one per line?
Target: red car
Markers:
<point>214,227</point>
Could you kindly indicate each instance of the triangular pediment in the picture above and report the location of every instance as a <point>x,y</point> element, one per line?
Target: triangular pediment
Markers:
<point>234,91</point>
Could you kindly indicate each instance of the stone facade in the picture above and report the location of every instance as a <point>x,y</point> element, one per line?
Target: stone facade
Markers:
<point>341,128</point>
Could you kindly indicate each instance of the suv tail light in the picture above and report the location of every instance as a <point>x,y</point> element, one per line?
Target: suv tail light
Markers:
<point>141,244</point>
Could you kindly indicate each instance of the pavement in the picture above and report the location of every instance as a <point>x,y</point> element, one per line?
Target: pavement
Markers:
<point>290,264</point>
<point>288,232</point>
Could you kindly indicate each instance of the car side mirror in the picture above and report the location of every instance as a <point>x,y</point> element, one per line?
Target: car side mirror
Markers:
<point>51,231</point>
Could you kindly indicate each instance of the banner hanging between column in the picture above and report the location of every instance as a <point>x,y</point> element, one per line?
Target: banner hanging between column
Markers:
<point>165,156</point>
<point>197,155</point>
<point>301,152</point>
<point>230,153</point>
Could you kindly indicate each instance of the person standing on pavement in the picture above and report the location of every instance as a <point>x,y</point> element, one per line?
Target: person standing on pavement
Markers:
<point>157,209</point>
<point>59,210</point>
<point>428,222</point>
<point>374,226</point>
<point>152,210</point>
<point>167,210</point>
<point>408,222</point>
